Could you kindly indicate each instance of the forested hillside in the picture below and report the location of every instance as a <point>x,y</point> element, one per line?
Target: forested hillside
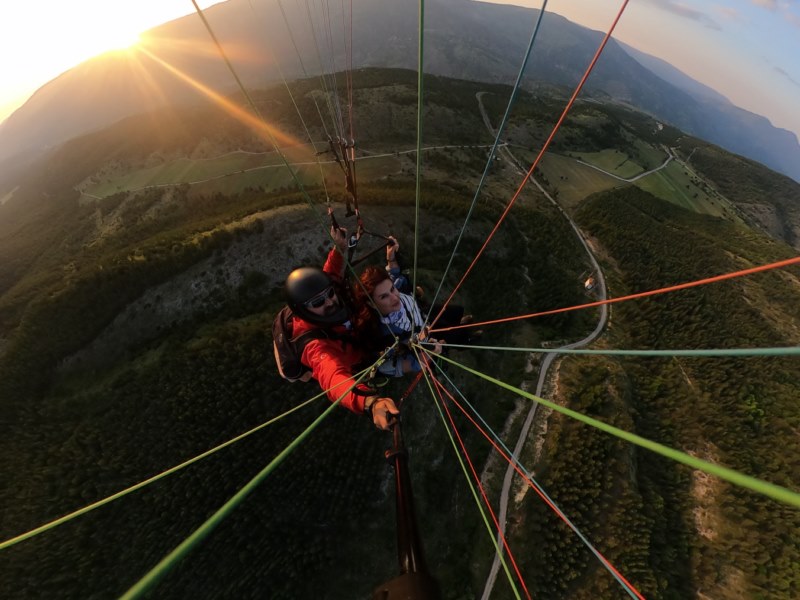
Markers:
<point>145,265</point>
<point>675,532</point>
<point>771,201</point>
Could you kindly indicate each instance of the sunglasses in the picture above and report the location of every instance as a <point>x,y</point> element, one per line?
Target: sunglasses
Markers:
<point>320,298</point>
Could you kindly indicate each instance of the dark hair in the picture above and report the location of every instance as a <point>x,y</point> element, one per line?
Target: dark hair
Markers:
<point>366,323</point>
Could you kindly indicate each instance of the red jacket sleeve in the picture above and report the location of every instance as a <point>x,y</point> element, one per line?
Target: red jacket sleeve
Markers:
<point>331,367</point>
<point>334,265</point>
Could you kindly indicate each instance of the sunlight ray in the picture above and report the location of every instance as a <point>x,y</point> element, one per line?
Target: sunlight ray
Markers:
<point>262,128</point>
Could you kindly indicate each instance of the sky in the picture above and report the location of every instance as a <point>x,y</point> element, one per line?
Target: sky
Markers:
<point>748,50</point>
<point>40,39</point>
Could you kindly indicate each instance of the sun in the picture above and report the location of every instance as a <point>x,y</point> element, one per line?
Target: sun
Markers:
<point>128,41</point>
<point>113,36</point>
<point>123,40</point>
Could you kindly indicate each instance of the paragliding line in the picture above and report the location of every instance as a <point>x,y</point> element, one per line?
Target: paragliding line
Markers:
<point>478,503</point>
<point>163,474</point>
<point>682,286</point>
<point>420,95</point>
<point>493,151</point>
<point>765,488</point>
<point>538,158</point>
<point>169,561</point>
<point>712,352</point>
<point>439,389</point>
<point>528,477</point>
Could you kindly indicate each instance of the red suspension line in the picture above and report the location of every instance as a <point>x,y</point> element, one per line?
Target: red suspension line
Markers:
<point>673,288</point>
<point>535,487</point>
<point>350,78</point>
<point>539,157</point>
<point>475,475</point>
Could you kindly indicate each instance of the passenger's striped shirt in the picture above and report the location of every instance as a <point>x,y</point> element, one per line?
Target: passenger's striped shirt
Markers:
<point>400,320</point>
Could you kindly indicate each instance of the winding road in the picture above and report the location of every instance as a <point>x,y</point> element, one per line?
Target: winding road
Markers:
<point>548,358</point>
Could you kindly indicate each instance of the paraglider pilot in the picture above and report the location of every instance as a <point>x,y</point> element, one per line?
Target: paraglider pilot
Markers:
<point>318,303</point>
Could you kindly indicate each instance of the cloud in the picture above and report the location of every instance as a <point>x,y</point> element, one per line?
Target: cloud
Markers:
<point>787,76</point>
<point>789,10</point>
<point>729,13</point>
<point>768,4</point>
<point>792,18</point>
<point>687,12</point>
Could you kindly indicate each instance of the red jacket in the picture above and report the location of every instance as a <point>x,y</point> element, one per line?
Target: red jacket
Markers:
<point>331,361</point>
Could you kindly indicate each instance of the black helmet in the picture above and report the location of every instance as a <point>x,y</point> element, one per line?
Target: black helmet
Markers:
<point>305,283</point>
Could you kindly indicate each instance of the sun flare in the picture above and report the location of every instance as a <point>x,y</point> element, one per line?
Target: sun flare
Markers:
<point>126,41</point>
<point>120,39</point>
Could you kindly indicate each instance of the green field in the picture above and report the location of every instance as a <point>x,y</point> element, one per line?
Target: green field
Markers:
<point>573,180</point>
<point>235,172</point>
<point>613,161</point>
<point>628,162</point>
<point>674,184</point>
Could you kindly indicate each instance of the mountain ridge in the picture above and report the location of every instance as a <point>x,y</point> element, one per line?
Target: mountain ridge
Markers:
<point>462,43</point>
